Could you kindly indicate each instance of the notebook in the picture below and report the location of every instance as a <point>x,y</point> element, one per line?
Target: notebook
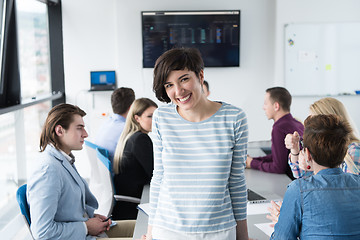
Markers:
<point>145,207</point>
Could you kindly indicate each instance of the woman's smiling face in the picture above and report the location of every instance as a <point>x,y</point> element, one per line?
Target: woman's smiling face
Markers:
<point>183,87</point>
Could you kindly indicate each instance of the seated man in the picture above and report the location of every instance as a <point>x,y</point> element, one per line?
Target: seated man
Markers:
<point>61,204</point>
<point>109,132</point>
<point>277,107</point>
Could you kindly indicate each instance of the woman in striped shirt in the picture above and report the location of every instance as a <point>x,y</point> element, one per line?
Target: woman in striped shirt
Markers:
<point>198,188</point>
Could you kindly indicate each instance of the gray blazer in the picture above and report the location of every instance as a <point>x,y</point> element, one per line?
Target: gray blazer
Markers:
<point>59,198</point>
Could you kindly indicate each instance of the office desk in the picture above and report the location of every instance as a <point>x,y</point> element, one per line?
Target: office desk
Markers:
<point>258,148</point>
<point>266,184</point>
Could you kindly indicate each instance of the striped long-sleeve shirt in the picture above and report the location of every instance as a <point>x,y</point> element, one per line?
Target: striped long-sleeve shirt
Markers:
<point>198,183</point>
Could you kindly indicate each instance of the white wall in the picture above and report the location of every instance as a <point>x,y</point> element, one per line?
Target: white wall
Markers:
<point>313,11</point>
<point>89,33</point>
<point>107,34</point>
<point>102,35</point>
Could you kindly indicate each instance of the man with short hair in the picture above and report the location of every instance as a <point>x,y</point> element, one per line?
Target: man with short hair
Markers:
<point>109,133</point>
<point>277,107</point>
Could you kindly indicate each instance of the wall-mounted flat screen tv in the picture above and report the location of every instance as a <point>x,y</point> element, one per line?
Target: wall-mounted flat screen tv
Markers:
<point>215,33</point>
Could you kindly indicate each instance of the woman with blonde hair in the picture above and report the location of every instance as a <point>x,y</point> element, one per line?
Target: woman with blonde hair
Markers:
<point>134,159</point>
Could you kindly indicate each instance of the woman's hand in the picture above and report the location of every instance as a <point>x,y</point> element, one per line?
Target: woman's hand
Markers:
<point>274,211</point>
<point>292,143</point>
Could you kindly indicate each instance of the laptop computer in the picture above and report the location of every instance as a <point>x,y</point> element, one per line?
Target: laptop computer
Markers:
<point>266,150</point>
<point>254,197</point>
<point>102,80</point>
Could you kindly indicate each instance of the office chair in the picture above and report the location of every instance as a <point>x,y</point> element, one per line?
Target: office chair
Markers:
<point>95,177</point>
<point>22,201</point>
<point>101,180</point>
<point>24,207</point>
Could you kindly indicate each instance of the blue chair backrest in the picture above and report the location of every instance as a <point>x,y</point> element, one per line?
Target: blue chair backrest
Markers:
<point>22,201</point>
<point>94,146</point>
<point>103,156</point>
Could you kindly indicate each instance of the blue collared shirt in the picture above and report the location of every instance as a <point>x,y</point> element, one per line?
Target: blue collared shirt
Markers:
<point>109,133</point>
<point>323,206</point>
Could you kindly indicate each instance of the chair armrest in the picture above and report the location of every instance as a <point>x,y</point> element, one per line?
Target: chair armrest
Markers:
<point>126,199</point>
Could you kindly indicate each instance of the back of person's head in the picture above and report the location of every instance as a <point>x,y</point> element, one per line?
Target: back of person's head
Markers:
<point>330,105</point>
<point>174,60</point>
<point>280,95</point>
<point>131,126</point>
<point>63,115</point>
<point>326,137</point>
<point>121,100</point>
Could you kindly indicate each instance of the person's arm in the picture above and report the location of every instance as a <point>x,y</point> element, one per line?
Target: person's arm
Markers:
<point>267,158</point>
<point>292,143</point>
<point>241,230</point>
<point>158,170</point>
<point>279,155</point>
<point>354,154</point>
<point>295,169</point>
<point>290,218</point>
<point>237,183</point>
<point>144,154</point>
<point>148,235</point>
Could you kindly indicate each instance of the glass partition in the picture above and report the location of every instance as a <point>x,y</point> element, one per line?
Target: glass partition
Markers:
<point>2,30</point>
<point>33,46</point>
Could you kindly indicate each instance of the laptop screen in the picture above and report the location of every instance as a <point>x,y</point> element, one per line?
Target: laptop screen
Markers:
<point>253,196</point>
<point>102,80</point>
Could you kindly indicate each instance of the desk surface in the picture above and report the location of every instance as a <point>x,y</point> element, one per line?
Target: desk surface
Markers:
<point>266,184</point>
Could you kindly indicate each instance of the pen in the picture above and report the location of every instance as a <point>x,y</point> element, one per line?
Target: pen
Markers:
<point>107,219</point>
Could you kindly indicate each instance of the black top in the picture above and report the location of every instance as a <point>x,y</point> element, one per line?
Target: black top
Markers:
<point>135,171</point>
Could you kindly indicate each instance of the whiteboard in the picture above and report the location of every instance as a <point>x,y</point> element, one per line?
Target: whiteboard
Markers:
<point>322,58</point>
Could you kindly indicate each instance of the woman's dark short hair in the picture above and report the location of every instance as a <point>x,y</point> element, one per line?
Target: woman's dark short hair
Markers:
<point>174,60</point>
<point>327,137</point>
<point>63,115</point>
